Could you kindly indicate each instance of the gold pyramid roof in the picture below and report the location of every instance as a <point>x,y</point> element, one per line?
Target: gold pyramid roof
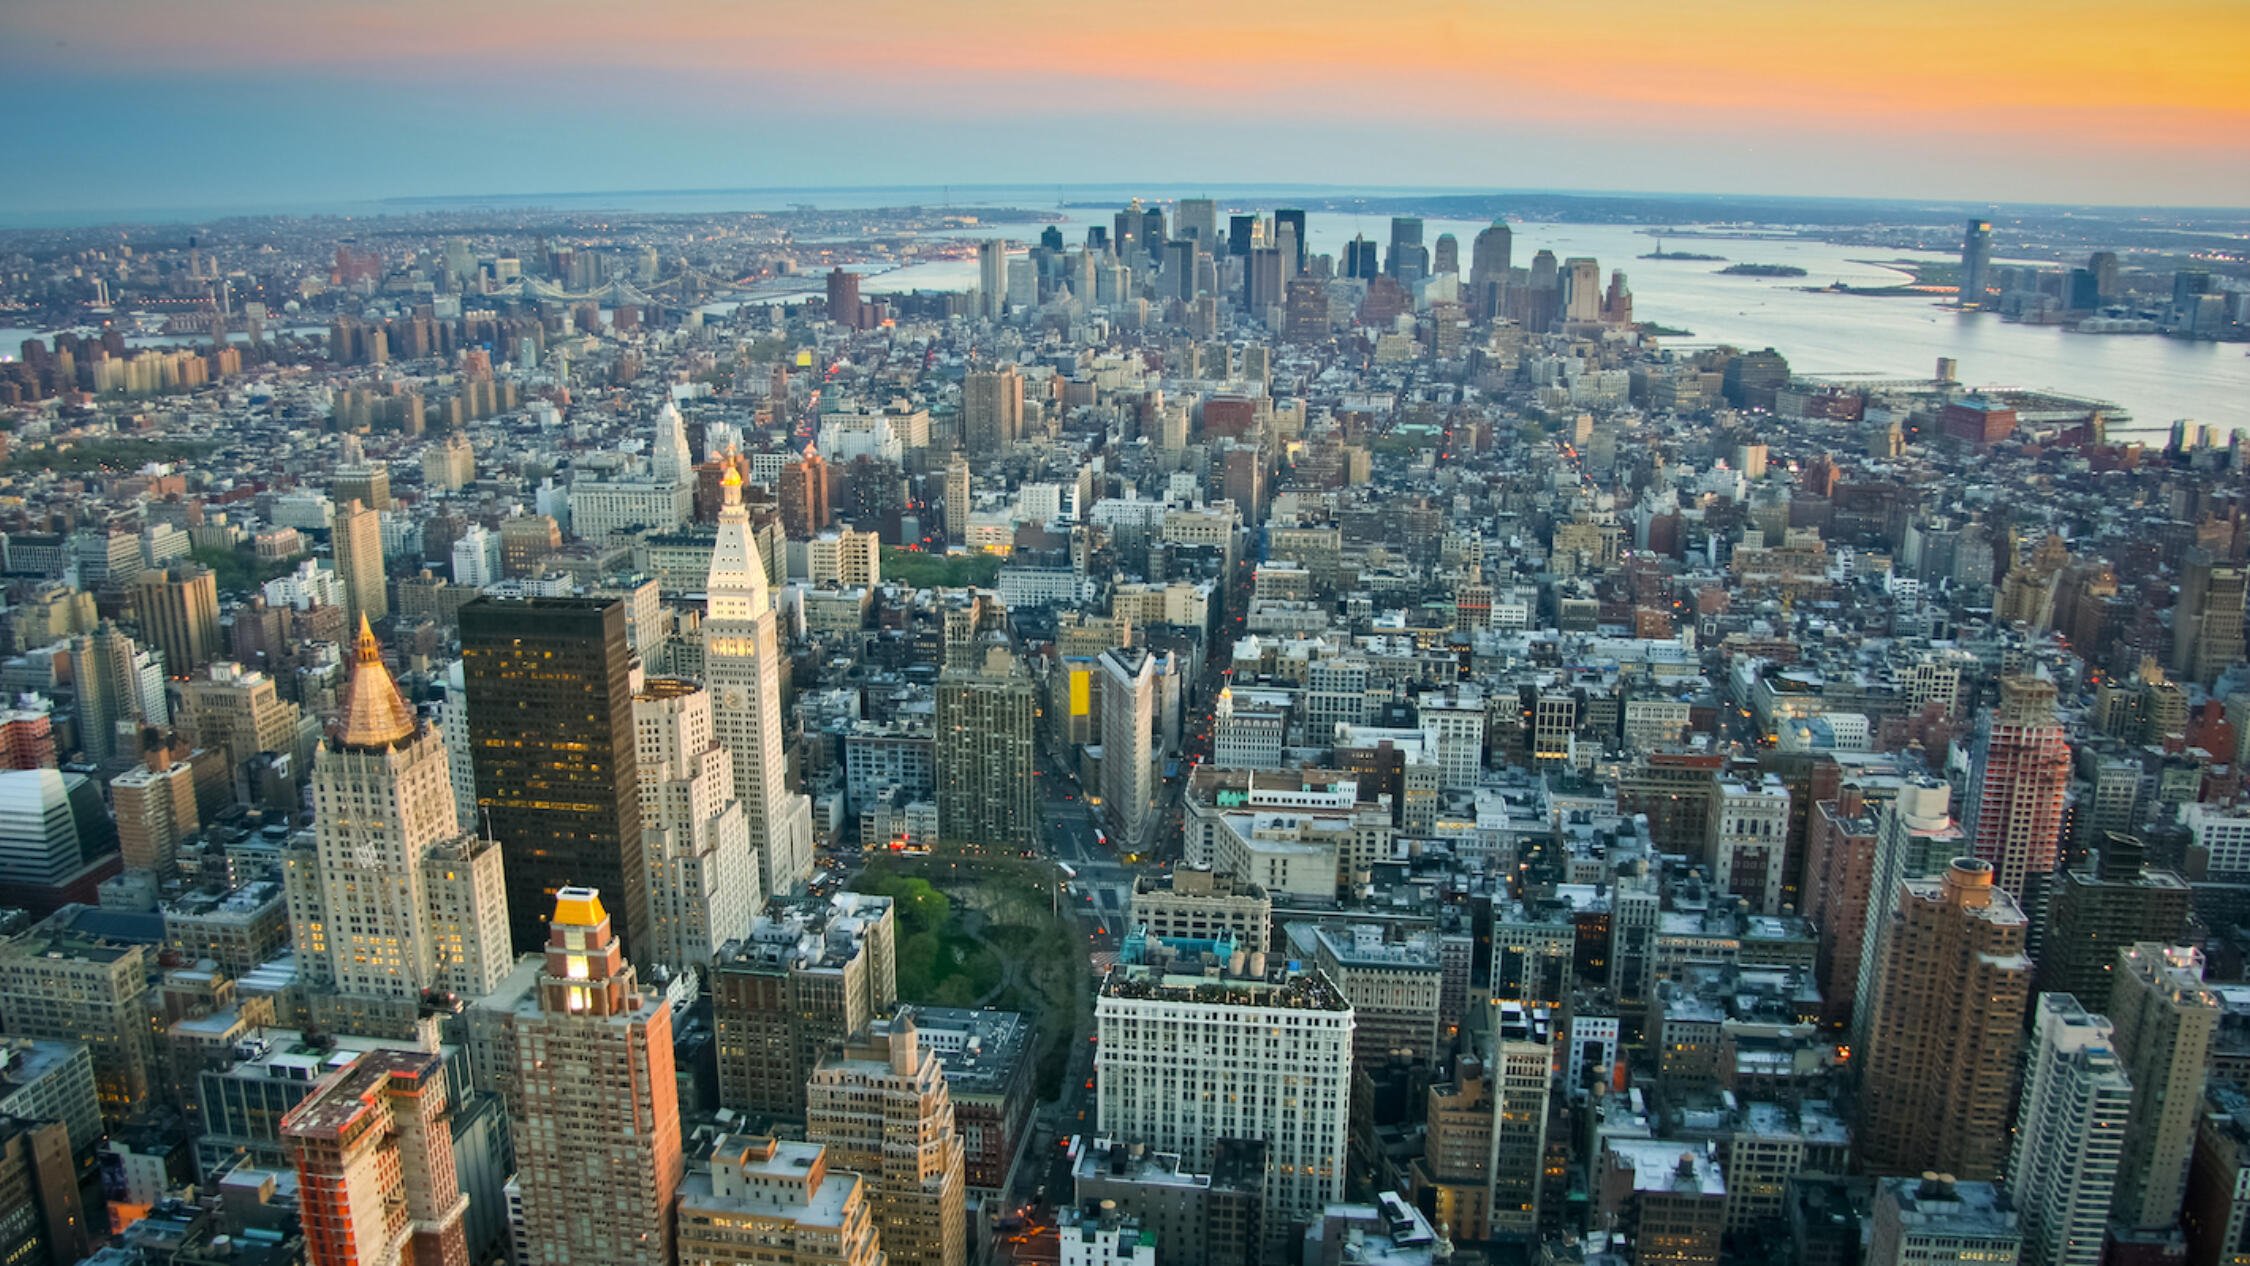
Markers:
<point>374,714</point>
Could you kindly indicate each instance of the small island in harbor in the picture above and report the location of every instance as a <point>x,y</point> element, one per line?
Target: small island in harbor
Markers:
<point>1696,256</point>
<point>1762,270</point>
<point>1663,331</point>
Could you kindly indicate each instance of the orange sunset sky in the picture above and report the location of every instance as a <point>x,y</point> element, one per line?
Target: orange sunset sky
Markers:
<point>2064,100</point>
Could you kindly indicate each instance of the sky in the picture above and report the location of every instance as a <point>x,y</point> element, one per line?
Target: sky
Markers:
<point>121,104</point>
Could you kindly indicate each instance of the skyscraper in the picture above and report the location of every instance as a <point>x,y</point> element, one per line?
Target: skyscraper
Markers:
<point>792,988</point>
<point>742,670</point>
<point>992,278</point>
<point>551,727</point>
<point>2070,1130</point>
<point>1189,1056</point>
<point>843,297</point>
<point>882,1109</point>
<point>771,1202</point>
<point>2019,780</point>
<point>357,535</point>
<point>178,611</point>
<point>1179,268</point>
<point>1407,259</point>
<point>1261,280</point>
<point>598,1147</point>
<point>382,812</point>
<point>1445,257</point>
<point>1242,234</point>
<point>991,411</point>
<point>1976,263</point>
<point>1490,257</point>
<point>1945,1028</point>
<point>956,502</point>
<point>1359,259</point>
<point>1286,221</point>
<point>1581,279</point>
<point>703,881</point>
<point>1197,219</point>
<point>1128,685</point>
<point>2165,1020</point>
<point>2207,620</point>
<point>376,1182</point>
<point>987,752</point>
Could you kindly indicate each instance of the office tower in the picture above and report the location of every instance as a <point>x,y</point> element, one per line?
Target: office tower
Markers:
<point>1490,257</point>
<point>1946,1027</point>
<point>1916,837</point>
<point>1179,269</point>
<point>2164,1021</point>
<point>1665,1197</point>
<point>1935,1219</point>
<point>60,985</point>
<point>357,533</point>
<point>2207,620</point>
<point>549,683</point>
<point>774,1202</point>
<point>2070,1130</point>
<point>1261,281</point>
<point>800,981</point>
<point>801,494</point>
<point>1199,1219</point>
<point>155,807</point>
<point>1542,293</point>
<point>1128,685</point>
<point>450,464</point>
<point>1152,234</point>
<point>843,297</point>
<point>1359,259</point>
<point>1242,234</point>
<point>2216,1215</point>
<point>992,278</point>
<point>670,459</point>
<point>1198,904</point>
<point>526,540</point>
<point>1581,280</point>
<point>42,1217</point>
<point>2019,779</point>
<point>1406,258</point>
<point>882,1109</point>
<point>178,612</point>
<point>1305,310</point>
<point>956,501</point>
<point>2094,912</point>
<point>373,1147</point>
<point>987,753</point>
<point>703,882</point>
<point>1445,257</point>
<point>598,1143</point>
<point>742,670</point>
<point>2103,264</point>
<point>1023,284</point>
<point>1190,1051</point>
<point>1197,219</point>
<point>358,480</point>
<point>1289,223</point>
<point>476,557</point>
<point>1976,263</point>
<point>57,842</point>
<point>241,713</point>
<point>992,411</point>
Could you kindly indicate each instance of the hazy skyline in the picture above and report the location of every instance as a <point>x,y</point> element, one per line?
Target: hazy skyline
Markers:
<point>141,104</point>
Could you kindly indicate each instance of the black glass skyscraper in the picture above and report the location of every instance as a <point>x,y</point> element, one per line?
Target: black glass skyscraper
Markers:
<point>551,737</point>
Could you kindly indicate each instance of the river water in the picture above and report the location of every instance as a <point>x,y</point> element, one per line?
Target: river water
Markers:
<point>2157,379</point>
